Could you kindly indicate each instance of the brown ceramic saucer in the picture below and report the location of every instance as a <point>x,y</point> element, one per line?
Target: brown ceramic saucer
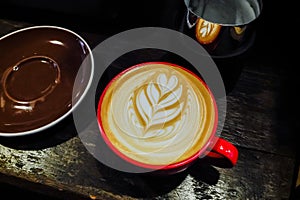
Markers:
<point>38,68</point>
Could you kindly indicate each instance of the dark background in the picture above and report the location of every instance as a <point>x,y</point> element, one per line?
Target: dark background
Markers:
<point>276,41</point>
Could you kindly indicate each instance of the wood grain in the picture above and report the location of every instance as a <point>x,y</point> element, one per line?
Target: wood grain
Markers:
<point>254,118</point>
<point>68,167</point>
<point>56,163</point>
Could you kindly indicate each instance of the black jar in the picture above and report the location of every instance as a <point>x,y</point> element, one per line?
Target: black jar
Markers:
<point>225,29</point>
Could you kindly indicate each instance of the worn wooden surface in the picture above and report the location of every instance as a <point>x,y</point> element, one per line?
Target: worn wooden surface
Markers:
<point>258,122</point>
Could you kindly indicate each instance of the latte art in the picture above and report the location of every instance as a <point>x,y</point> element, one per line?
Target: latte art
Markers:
<point>157,114</point>
<point>156,107</point>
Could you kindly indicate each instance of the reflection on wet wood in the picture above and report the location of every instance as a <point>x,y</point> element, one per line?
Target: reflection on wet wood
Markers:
<point>69,167</point>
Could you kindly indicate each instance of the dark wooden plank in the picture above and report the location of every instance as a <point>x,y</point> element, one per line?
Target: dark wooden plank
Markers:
<point>64,168</point>
<point>262,112</point>
<point>257,113</point>
<point>56,163</point>
<point>256,176</point>
<point>68,167</point>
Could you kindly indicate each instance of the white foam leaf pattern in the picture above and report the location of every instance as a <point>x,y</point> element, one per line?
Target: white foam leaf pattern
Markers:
<point>166,85</point>
<point>153,94</point>
<point>144,108</point>
<point>157,104</point>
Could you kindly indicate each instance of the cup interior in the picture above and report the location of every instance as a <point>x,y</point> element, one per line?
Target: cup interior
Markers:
<point>107,102</point>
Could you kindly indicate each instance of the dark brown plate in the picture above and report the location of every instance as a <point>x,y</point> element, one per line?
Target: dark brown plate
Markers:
<point>38,68</point>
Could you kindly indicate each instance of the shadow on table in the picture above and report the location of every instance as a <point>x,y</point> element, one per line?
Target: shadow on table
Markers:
<point>152,185</point>
<point>53,136</point>
<point>109,172</point>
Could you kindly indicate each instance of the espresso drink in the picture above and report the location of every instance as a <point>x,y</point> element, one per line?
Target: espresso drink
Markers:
<point>157,113</point>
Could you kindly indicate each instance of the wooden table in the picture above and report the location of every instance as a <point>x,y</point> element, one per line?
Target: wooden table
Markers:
<point>260,122</point>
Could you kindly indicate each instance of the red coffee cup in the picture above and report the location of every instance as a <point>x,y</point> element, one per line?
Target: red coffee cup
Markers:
<point>161,117</point>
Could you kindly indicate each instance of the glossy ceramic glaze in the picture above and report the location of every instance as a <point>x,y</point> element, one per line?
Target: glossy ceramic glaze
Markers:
<point>38,69</point>
<point>151,149</point>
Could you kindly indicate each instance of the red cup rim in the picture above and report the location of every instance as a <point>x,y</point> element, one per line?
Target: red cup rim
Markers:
<point>149,166</point>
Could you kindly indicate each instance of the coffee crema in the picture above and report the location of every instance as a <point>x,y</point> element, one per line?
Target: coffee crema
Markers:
<point>157,113</point>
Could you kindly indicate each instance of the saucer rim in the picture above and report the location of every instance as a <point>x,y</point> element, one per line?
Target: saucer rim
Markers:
<point>74,106</point>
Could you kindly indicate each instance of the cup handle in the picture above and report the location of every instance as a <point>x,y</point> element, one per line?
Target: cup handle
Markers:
<point>224,149</point>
